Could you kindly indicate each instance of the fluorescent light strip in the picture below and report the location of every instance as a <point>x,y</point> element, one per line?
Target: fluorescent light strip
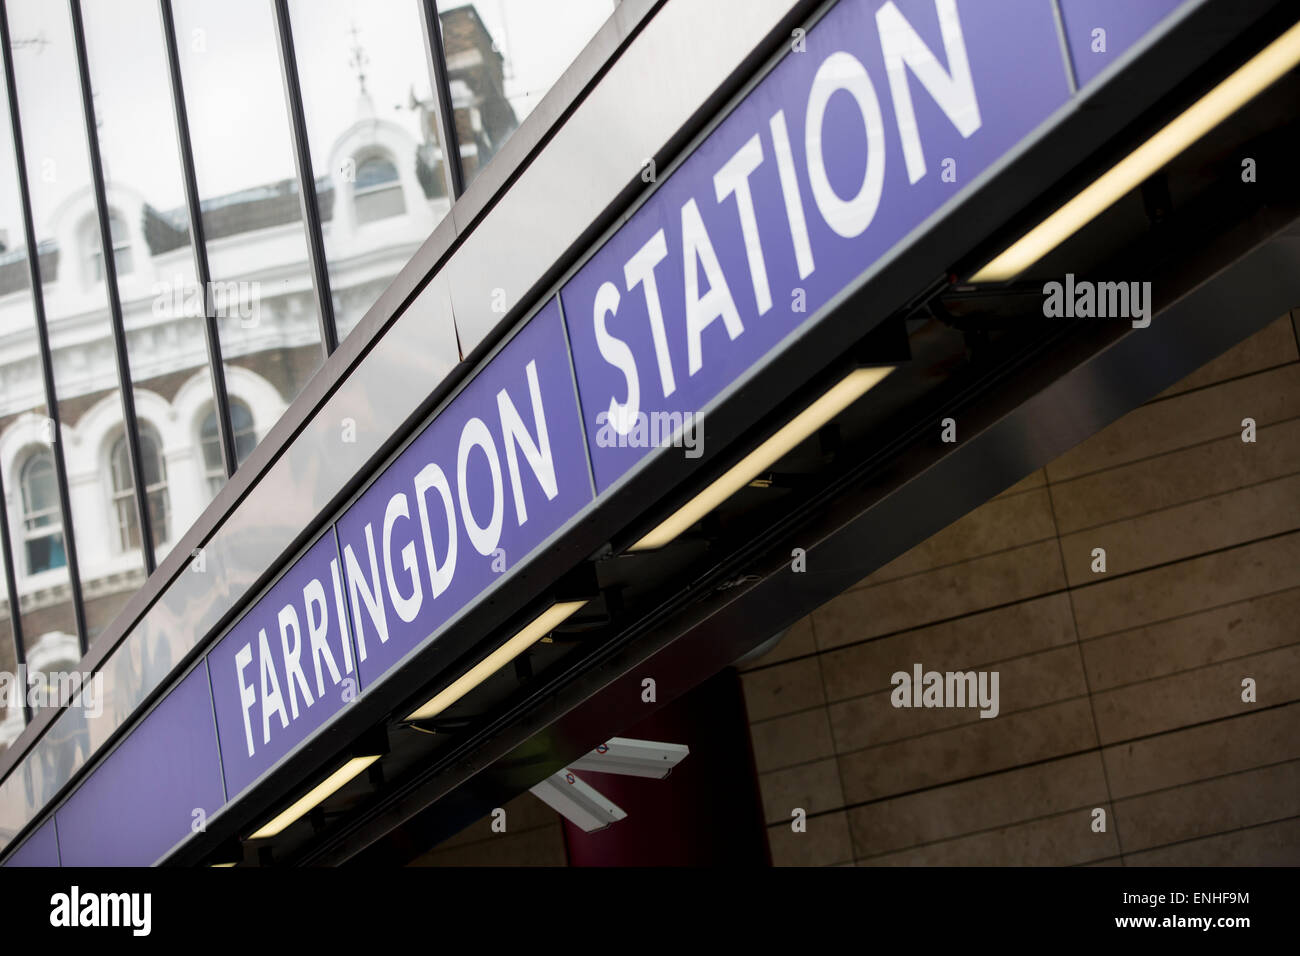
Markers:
<point>1252,78</point>
<point>542,625</point>
<point>316,795</point>
<point>852,387</point>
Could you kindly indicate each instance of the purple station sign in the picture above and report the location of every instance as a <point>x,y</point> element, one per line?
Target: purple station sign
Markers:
<point>499,471</point>
<point>285,668</point>
<point>886,112</point>
<point>162,782</point>
<point>883,113</point>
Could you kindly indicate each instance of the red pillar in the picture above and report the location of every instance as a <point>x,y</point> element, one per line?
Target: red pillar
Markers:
<point>707,812</point>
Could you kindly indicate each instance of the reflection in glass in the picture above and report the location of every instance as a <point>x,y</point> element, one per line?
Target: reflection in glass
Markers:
<point>162,304</point>
<point>121,245</point>
<point>502,58</point>
<point>42,521</point>
<point>245,436</point>
<point>27,438</point>
<point>155,482</point>
<point>75,296</point>
<point>380,172</point>
<point>262,288</point>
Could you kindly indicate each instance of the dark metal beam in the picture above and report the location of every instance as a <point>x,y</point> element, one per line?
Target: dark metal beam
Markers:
<point>11,593</point>
<point>437,55</point>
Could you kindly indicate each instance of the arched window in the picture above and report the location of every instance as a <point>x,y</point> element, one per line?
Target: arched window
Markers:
<point>53,653</point>
<point>155,486</point>
<point>42,521</point>
<point>377,192</point>
<point>121,247</point>
<point>245,441</point>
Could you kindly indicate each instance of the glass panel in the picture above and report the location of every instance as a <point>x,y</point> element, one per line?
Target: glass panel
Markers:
<point>36,528</point>
<point>502,58</point>
<point>245,440</point>
<point>162,305</point>
<point>76,303</point>
<point>380,177</point>
<point>267,321</point>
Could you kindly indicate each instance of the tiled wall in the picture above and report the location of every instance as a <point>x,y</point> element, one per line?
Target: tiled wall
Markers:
<point>1119,690</point>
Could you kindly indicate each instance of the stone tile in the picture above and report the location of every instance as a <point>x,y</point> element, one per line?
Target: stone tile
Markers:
<point>1161,427</point>
<point>541,846</point>
<point>1201,809</point>
<point>966,751</point>
<point>1180,476</point>
<point>797,642</point>
<point>997,579</point>
<point>998,800</point>
<point>963,643</point>
<point>1273,844</point>
<point>1242,628</point>
<point>1183,531</point>
<point>815,787</point>
<point>1023,683</point>
<point>825,843</point>
<point>1194,753</point>
<point>794,739</point>
<point>783,689</point>
<point>1207,693</point>
<point>994,526</point>
<point>1175,590</point>
<point>1062,840</point>
<point>1272,345</point>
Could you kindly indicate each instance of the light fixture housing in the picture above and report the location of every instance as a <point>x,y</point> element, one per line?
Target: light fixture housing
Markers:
<point>534,631</point>
<point>629,757</point>
<point>1243,85</point>
<point>314,797</point>
<point>848,390</point>
<point>578,801</point>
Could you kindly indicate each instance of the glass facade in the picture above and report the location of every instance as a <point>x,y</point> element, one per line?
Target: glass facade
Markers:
<point>502,58</point>
<point>198,199</point>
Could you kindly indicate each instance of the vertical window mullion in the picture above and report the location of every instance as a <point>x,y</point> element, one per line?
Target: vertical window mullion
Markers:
<point>114,298</point>
<point>198,242</point>
<point>42,334</point>
<point>306,180</point>
<point>442,96</point>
